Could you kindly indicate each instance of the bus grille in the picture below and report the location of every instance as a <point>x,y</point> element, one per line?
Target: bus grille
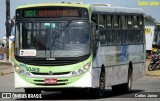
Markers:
<point>51,84</point>
<point>61,73</point>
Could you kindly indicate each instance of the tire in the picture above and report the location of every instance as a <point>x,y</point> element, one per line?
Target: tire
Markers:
<point>100,91</point>
<point>32,91</point>
<point>126,87</point>
<point>147,55</point>
<point>155,66</point>
<point>150,67</point>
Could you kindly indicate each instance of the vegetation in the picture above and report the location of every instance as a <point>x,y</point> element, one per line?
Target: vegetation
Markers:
<point>0,42</point>
<point>150,19</point>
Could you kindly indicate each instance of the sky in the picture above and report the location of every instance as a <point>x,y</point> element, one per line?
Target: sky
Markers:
<point>154,11</point>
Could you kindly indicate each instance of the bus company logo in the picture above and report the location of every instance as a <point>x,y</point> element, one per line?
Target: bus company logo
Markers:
<point>6,95</point>
<point>50,73</point>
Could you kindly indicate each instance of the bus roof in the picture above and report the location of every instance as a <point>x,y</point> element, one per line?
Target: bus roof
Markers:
<point>111,9</point>
<point>94,7</point>
<point>56,4</point>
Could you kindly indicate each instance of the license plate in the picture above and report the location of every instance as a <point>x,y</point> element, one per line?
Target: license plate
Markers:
<point>50,81</point>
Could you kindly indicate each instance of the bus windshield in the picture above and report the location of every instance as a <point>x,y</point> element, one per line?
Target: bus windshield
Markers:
<point>53,38</point>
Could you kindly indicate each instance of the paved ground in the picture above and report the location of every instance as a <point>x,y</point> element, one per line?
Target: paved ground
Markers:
<point>145,86</point>
<point>155,73</point>
<point>5,67</point>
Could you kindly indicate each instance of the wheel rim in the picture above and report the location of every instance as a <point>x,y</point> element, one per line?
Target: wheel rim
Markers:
<point>150,67</point>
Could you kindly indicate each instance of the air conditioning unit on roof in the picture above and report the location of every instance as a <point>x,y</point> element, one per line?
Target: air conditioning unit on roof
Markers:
<point>97,4</point>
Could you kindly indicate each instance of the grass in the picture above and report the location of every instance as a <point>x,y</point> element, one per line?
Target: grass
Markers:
<point>155,73</point>
<point>1,74</point>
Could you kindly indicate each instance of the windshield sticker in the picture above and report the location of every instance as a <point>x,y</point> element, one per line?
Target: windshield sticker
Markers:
<point>27,52</point>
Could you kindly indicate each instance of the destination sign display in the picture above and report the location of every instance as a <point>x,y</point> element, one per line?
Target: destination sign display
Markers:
<point>62,12</point>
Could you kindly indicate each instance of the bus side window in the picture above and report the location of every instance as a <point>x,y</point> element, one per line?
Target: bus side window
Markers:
<point>102,28</point>
<point>123,20</point>
<point>109,22</point>
<point>116,22</point>
<point>102,20</point>
<point>116,32</point>
<point>94,19</point>
<point>126,24</point>
<point>130,31</point>
<point>135,21</point>
<point>141,24</point>
<point>137,32</point>
<point>129,22</point>
<point>109,33</point>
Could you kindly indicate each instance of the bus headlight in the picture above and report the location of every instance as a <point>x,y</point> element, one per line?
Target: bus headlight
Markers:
<point>87,66</point>
<point>17,69</point>
<point>82,70</point>
<point>74,73</point>
<point>27,73</point>
<point>21,71</point>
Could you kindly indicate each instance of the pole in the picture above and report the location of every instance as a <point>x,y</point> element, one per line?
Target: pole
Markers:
<point>8,29</point>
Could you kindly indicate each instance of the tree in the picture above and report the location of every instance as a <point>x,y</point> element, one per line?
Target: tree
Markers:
<point>150,19</point>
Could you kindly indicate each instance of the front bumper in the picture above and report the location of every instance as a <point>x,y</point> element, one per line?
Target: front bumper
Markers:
<point>81,81</point>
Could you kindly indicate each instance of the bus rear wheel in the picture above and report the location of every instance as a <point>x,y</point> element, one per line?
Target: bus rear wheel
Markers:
<point>126,87</point>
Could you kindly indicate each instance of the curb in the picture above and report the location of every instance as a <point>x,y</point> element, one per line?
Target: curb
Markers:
<point>2,74</point>
<point>7,70</point>
<point>5,63</point>
<point>152,75</point>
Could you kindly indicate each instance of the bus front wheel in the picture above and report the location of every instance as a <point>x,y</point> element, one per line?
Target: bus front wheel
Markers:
<point>100,91</point>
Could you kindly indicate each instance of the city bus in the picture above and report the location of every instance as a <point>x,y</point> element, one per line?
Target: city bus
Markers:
<point>63,46</point>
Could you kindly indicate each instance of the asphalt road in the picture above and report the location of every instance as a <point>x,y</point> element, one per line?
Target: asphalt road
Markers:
<point>145,84</point>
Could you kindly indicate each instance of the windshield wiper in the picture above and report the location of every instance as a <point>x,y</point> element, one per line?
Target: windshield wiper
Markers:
<point>60,32</point>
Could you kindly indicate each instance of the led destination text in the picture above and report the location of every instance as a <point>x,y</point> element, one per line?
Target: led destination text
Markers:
<point>51,13</point>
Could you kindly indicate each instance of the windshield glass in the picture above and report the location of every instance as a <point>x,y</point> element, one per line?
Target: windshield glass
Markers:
<point>52,39</point>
